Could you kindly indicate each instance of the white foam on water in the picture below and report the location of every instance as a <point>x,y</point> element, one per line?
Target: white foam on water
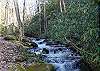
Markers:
<point>60,59</point>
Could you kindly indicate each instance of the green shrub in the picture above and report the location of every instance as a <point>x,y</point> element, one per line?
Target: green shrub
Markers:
<point>78,24</point>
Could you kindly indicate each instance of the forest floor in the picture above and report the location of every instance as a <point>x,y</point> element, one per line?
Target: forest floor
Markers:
<point>8,54</point>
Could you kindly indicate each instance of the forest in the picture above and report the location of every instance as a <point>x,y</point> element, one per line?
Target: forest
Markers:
<point>49,35</point>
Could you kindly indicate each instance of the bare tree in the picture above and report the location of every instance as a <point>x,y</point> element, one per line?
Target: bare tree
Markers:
<point>44,17</point>
<point>63,2</point>
<point>23,18</point>
<point>39,5</point>
<point>60,1</point>
<point>62,5</point>
<point>18,19</point>
<point>6,17</point>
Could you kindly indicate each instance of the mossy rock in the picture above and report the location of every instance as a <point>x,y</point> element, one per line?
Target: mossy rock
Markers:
<point>40,67</point>
<point>32,45</point>
<point>10,37</point>
<point>27,44</point>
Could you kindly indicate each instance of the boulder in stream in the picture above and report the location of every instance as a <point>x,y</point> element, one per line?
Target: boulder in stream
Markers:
<point>49,43</point>
<point>45,51</point>
<point>58,42</point>
<point>33,44</point>
<point>26,40</point>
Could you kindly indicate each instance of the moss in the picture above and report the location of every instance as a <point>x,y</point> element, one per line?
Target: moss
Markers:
<point>40,67</point>
<point>20,68</point>
<point>16,67</point>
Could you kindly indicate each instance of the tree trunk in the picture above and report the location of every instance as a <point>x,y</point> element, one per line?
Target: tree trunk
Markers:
<point>40,17</point>
<point>99,18</point>
<point>18,20</point>
<point>6,17</point>
<point>60,5</point>
<point>12,23</point>
<point>44,19</point>
<point>64,5</point>
<point>23,18</point>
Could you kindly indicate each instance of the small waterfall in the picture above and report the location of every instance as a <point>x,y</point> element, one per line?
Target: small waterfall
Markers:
<point>62,58</point>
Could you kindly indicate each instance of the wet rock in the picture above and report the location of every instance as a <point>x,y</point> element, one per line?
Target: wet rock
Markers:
<point>67,45</point>
<point>30,44</point>
<point>33,44</point>
<point>49,43</point>
<point>72,49</point>
<point>58,42</point>
<point>26,40</point>
<point>57,50</point>
<point>46,40</point>
<point>44,56</point>
<point>60,49</point>
<point>77,64</point>
<point>37,39</point>
<point>40,42</point>
<point>45,51</point>
<point>54,51</point>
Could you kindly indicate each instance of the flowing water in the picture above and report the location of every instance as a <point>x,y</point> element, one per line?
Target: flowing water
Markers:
<point>61,57</point>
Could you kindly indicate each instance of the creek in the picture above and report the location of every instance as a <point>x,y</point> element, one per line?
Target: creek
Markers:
<point>63,58</point>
